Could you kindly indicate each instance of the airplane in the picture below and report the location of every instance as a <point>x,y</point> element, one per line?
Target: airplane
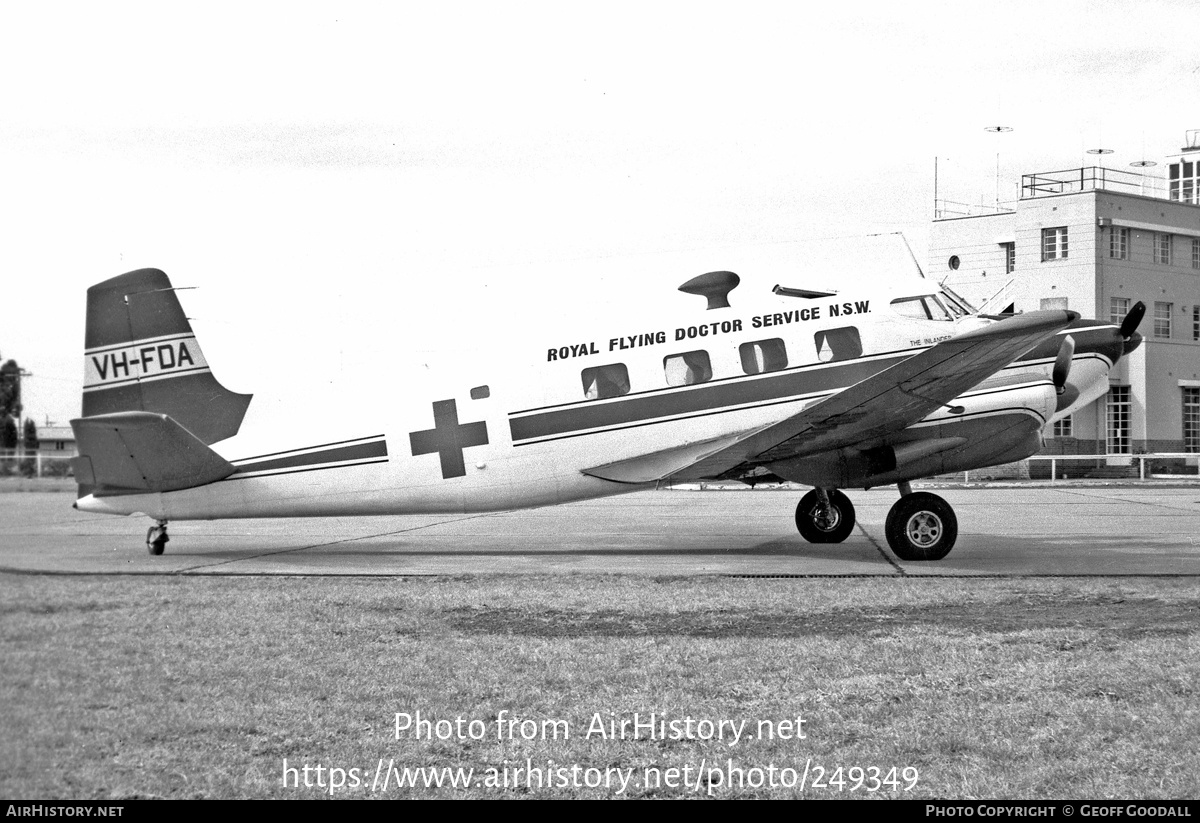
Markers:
<point>836,389</point>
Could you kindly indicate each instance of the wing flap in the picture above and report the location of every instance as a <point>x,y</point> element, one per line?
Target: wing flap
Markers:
<point>649,468</point>
<point>142,452</point>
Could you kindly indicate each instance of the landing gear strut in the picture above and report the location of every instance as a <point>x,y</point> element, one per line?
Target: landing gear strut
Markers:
<point>156,538</point>
<point>920,526</point>
<point>825,516</point>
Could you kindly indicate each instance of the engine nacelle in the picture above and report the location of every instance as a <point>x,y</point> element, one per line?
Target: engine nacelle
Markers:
<point>996,426</point>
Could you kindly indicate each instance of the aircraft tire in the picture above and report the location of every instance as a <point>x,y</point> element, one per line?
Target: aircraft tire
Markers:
<point>837,528</point>
<point>921,526</point>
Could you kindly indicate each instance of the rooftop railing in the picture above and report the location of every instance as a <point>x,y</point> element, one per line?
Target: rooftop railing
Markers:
<point>1090,178</point>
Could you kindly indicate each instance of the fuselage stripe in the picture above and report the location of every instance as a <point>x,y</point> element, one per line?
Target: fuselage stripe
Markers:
<point>306,449</point>
<point>339,454</point>
<point>277,472</point>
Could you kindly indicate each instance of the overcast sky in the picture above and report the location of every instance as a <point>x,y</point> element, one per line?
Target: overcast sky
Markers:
<point>340,174</point>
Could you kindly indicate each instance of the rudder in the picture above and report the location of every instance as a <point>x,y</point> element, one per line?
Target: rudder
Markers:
<point>140,354</point>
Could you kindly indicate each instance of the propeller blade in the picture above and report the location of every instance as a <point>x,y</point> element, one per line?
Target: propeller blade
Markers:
<point>1133,319</point>
<point>1070,394</point>
<point>1062,363</point>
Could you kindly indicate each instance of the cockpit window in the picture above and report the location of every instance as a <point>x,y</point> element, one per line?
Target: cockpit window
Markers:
<point>949,308</point>
<point>926,307</point>
<point>955,301</point>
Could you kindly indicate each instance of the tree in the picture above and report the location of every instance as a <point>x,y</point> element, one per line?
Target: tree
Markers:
<point>29,464</point>
<point>10,389</point>
<point>8,433</point>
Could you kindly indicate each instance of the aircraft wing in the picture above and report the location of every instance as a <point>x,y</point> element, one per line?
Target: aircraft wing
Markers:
<point>883,404</point>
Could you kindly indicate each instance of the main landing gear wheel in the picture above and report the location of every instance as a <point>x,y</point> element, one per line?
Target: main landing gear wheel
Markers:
<point>825,522</point>
<point>156,538</point>
<point>921,526</point>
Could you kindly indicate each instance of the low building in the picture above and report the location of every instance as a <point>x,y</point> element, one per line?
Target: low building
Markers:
<point>57,441</point>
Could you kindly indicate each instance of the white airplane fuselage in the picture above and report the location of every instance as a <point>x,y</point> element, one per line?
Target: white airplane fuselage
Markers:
<point>519,429</point>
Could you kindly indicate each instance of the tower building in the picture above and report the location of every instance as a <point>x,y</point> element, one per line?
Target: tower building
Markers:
<point>1097,240</point>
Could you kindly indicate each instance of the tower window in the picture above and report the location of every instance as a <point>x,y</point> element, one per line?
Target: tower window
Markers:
<point>1054,243</point>
<point>1162,248</point>
<point>1118,243</point>
<point>1118,307</point>
<point>1162,320</point>
<point>1191,419</point>
<point>1118,407</point>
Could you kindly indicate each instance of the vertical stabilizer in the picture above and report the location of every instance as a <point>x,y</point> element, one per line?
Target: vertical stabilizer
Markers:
<point>140,355</point>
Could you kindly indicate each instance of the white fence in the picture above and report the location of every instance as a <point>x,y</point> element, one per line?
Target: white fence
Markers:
<point>37,464</point>
<point>1092,464</point>
<point>1189,459</point>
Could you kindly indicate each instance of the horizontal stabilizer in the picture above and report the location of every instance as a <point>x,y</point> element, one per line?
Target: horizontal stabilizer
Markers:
<point>141,452</point>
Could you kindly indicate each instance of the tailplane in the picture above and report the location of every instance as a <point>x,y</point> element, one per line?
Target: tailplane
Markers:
<point>139,452</point>
<point>141,356</point>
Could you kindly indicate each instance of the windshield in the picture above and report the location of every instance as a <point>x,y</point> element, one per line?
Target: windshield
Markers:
<point>924,307</point>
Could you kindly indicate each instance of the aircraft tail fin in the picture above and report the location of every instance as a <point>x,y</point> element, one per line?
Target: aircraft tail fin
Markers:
<point>140,355</point>
<point>141,452</point>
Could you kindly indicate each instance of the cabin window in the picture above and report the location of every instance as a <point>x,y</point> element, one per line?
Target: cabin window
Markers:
<point>687,368</point>
<point>763,356</point>
<point>480,393</point>
<point>605,381</point>
<point>838,344</point>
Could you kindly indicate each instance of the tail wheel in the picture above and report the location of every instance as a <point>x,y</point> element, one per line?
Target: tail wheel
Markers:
<point>921,526</point>
<point>825,524</point>
<point>156,539</point>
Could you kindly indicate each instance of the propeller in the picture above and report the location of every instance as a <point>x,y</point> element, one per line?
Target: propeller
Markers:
<point>1129,326</point>
<point>1067,393</point>
<point>1133,319</point>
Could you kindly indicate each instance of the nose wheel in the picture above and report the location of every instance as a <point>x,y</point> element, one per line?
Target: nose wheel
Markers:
<point>156,538</point>
<point>825,516</point>
<point>921,526</point>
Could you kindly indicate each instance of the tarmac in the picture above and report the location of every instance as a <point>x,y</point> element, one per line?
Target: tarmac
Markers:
<point>1020,530</point>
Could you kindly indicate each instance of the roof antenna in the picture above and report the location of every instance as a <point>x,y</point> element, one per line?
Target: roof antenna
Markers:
<point>998,130</point>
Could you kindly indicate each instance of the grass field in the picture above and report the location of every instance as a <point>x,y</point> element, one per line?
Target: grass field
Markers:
<point>123,687</point>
